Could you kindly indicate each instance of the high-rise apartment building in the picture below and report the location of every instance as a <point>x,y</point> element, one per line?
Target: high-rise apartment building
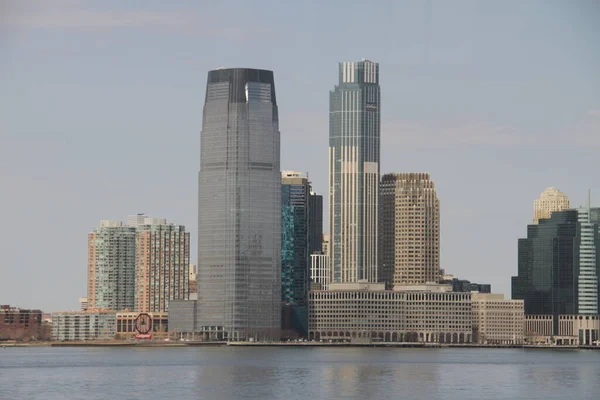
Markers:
<point>162,265</point>
<point>295,197</point>
<point>410,229</point>
<point>111,267</point>
<point>239,210</point>
<point>354,146</point>
<point>550,200</point>
<point>315,223</point>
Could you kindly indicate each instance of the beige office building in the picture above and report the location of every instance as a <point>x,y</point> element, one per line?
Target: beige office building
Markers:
<point>366,311</point>
<point>409,229</point>
<point>550,200</point>
<point>572,330</point>
<point>496,320</point>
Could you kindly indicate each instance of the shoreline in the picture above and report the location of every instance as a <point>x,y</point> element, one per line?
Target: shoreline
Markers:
<point>294,344</point>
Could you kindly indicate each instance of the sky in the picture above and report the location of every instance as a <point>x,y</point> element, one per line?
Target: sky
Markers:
<point>101,112</point>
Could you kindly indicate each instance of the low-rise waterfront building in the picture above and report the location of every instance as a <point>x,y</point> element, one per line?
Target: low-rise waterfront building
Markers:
<point>157,324</point>
<point>496,320</point>
<point>19,324</point>
<point>84,325</point>
<point>366,311</point>
<point>572,329</point>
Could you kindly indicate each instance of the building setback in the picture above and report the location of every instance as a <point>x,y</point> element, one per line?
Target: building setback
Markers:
<point>111,267</point>
<point>162,265</point>
<point>409,229</point>
<point>354,147</point>
<point>239,207</point>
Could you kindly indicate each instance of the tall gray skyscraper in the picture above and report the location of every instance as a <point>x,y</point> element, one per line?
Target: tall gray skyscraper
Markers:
<point>354,131</point>
<point>239,211</point>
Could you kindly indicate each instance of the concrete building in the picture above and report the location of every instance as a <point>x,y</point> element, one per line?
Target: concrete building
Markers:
<point>550,200</point>
<point>354,153</point>
<point>111,266</point>
<point>409,229</point>
<point>162,265</point>
<point>496,320</point>
<point>319,271</point>
<point>363,311</point>
<point>573,330</point>
<point>239,207</point>
<point>83,325</point>
<point>136,220</point>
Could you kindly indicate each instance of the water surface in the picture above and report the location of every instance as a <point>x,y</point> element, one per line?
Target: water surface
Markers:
<point>297,373</point>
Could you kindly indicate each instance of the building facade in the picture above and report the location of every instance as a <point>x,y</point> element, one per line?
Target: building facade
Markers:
<point>162,265</point>
<point>354,153</point>
<point>295,197</point>
<point>410,229</point>
<point>550,200</point>
<point>496,320</point>
<point>363,311</point>
<point>111,267</point>
<point>319,271</point>
<point>84,325</point>
<point>239,207</point>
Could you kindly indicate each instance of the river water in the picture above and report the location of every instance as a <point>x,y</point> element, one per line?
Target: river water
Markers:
<point>297,373</point>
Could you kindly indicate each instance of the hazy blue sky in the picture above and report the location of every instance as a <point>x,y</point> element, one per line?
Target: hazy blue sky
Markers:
<point>101,111</point>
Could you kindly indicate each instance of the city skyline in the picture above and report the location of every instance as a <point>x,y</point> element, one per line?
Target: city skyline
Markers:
<point>79,138</point>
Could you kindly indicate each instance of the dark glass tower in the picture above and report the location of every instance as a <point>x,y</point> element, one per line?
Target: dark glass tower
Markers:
<point>354,144</point>
<point>239,210</point>
<point>315,221</point>
<point>547,279</point>
<point>295,192</point>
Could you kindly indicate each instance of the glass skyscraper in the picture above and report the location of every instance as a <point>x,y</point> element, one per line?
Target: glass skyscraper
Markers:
<point>559,266</point>
<point>295,192</point>
<point>354,144</point>
<point>239,210</point>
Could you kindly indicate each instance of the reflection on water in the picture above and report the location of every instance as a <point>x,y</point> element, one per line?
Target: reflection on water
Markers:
<point>297,373</point>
